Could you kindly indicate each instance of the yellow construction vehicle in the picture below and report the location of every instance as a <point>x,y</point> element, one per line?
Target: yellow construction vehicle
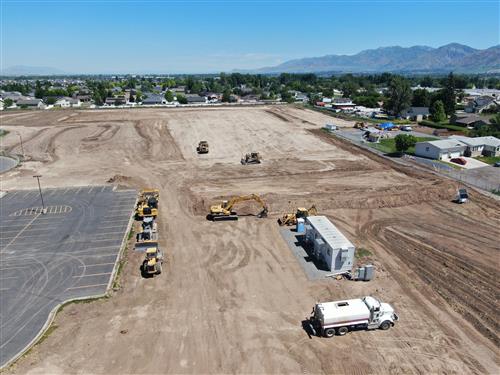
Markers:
<point>147,204</point>
<point>152,264</point>
<point>359,125</point>
<point>291,218</point>
<point>224,211</point>
<point>251,158</point>
<point>202,147</point>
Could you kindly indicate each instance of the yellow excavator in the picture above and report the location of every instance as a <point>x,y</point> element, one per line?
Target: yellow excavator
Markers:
<point>224,211</point>
<point>291,218</point>
<point>147,205</point>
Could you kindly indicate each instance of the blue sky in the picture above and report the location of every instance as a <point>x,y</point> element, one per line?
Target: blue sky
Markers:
<point>165,36</point>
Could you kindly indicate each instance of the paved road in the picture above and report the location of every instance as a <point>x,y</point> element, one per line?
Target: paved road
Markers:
<point>7,163</point>
<point>46,259</point>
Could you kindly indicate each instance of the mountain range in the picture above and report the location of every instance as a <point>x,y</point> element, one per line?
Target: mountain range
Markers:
<point>417,59</point>
<point>23,70</point>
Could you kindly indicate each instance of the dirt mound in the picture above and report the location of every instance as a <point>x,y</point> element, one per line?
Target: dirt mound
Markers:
<point>119,179</point>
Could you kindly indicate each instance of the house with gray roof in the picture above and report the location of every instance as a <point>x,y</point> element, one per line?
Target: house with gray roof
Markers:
<point>485,146</point>
<point>154,99</point>
<point>30,103</point>
<point>471,120</point>
<point>416,113</point>
<point>442,149</point>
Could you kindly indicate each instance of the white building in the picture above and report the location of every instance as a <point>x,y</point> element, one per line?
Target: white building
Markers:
<point>66,102</point>
<point>442,149</point>
<point>329,245</point>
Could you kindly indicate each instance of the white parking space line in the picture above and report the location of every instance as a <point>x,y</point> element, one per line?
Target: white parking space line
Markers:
<point>90,190</point>
<point>86,286</point>
<point>94,274</point>
<point>26,227</point>
<point>95,265</point>
<point>7,277</point>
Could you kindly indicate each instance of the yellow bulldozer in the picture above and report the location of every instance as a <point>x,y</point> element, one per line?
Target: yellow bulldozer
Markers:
<point>147,204</point>
<point>224,211</point>
<point>302,212</point>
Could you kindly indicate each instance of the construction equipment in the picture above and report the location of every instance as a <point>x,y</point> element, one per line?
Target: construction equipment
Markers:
<point>149,230</point>
<point>251,158</point>
<point>462,196</point>
<point>152,264</point>
<point>224,211</point>
<point>359,125</point>
<point>202,147</point>
<point>340,317</point>
<point>147,204</point>
<point>302,212</point>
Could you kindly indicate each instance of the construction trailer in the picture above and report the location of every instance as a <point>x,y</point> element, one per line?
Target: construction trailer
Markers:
<point>329,245</point>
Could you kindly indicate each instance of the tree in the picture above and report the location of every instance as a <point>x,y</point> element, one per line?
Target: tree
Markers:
<point>495,120</point>
<point>404,142</point>
<point>349,89</point>
<point>39,91</point>
<point>421,98</point>
<point>399,94</point>
<point>169,96</point>
<point>437,111</point>
<point>448,95</point>
<point>181,99</point>
<point>226,96</point>
<point>8,102</point>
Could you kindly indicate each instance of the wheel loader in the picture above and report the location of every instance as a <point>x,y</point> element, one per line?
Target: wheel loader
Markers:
<point>224,211</point>
<point>251,158</point>
<point>152,264</point>
<point>202,147</point>
<point>302,212</point>
<point>147,205</point>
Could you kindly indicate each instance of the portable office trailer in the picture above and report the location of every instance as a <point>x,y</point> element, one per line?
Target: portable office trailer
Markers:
<point>329,245</point>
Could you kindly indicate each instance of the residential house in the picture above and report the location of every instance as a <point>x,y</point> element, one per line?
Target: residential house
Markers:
<point>179,89</point>
<point>1,104</point>
<point>442,149</point>
<point>485,146</point>
<point>30,103</point>
<point>416,113</point>
<point>472,120</point>
<point>154,99</point>
<point>481,104</point>
<point>116,100</point>
<point>343,104</point>
<point>196,99</point>
<point>66,102</point>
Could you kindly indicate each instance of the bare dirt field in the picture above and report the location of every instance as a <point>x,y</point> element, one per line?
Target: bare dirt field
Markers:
<point>232,296</point>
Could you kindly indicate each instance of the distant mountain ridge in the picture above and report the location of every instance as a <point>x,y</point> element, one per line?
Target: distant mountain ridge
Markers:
<point>451,57</point>
<point>23,70</point>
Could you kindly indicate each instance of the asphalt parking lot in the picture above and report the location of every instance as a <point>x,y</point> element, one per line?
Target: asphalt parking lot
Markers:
<point>47,259</point>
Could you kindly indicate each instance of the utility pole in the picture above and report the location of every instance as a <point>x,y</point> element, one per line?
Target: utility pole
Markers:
<point>21,139</point>
<point>41,196</point>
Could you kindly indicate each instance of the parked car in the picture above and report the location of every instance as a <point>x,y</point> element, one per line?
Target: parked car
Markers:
<point>460,161</point>
<point>406,128</point>
<point>497,164</point>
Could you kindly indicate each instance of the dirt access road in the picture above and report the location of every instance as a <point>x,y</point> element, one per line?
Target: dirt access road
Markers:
<point>232,296</point>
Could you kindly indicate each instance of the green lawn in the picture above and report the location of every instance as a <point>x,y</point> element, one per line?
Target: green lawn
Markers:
<point>488,159</point>
<point>388,145</point>
<point>444,125</point>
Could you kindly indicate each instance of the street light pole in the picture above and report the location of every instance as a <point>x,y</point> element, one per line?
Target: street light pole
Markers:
<point>40,189</point>
<point>22,147</point>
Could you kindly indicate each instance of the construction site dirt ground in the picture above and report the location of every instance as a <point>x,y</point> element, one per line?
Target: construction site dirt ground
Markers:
<point>232,297</point>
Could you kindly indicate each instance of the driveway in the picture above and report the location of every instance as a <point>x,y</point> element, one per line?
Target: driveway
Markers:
<point>471,163</point>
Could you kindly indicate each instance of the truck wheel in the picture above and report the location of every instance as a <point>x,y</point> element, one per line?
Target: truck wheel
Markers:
<point>385,325</point>
<point>342,331</point>
<point>329,332</point>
